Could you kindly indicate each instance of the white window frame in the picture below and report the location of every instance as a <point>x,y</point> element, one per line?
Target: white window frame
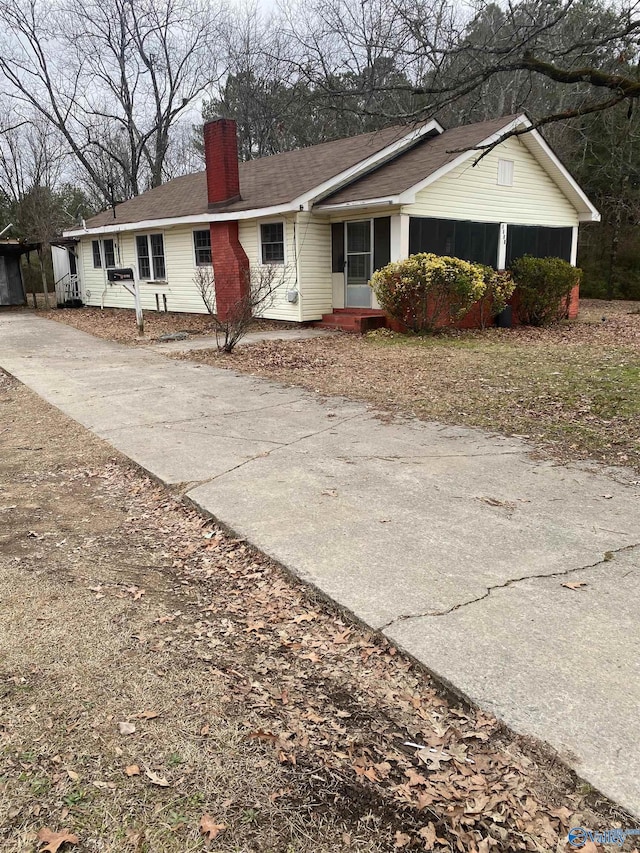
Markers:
<point>282,222</point>
<point>506,170</point>
<point>147,236</point>
<point>93,255</point>
<point>195,254</point>
<point>103,254</point>
<point>115,253</point>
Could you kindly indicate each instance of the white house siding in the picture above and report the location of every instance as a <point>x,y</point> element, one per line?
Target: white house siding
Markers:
<point>313,237</point>
<point>286,276</point>
<point>472,193</point>
<point>179,288</point>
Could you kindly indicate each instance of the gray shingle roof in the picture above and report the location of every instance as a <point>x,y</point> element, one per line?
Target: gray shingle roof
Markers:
<point>281,178</point>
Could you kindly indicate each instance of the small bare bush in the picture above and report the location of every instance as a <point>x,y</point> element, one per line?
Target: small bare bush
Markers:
<point>262,284</point>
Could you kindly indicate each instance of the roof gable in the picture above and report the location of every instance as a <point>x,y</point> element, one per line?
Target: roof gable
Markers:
<point>423,165</point>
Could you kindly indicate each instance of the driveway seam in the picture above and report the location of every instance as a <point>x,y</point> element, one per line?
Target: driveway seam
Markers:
<point>265,453</point>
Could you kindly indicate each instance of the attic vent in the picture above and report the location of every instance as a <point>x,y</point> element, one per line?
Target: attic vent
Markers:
<point>505,173</point>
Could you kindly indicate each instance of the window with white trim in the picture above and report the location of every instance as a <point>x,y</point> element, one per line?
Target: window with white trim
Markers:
<point>109,250</point>
<point>272,242</point>
<point>150,251</point>
<point>505,173</point>
<point>202,248</point>
<point>103,249</point>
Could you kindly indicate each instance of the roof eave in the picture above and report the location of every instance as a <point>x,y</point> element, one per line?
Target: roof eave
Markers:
<point>363,167</point>
<point>386,201</point>
<point>193,219</point>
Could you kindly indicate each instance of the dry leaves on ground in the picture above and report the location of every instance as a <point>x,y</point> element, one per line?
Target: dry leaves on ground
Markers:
<point>53,841</point>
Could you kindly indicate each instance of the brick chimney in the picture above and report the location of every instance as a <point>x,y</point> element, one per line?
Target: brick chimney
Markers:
<point>221,158</point>
<point>230,263</point>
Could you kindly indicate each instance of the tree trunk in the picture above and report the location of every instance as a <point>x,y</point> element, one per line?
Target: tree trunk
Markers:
<point>616,226</point>
<point>43,273</point>
<point>31,283</point>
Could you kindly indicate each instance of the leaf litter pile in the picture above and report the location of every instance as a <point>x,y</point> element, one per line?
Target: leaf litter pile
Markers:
<point>119,324</point>
<point>166,688</point>
<point>572,390</point>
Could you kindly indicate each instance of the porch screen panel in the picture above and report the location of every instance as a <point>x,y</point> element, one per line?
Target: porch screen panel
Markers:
<point>469,241</point>
<point>381,242</point>
<point>538,241</point>
<point>337,247</point>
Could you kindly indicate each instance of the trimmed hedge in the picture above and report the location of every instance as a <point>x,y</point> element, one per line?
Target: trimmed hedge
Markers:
<point>544,287</point>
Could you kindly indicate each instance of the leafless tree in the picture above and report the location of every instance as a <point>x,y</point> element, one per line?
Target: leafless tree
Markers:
<point>450,53</point>
<point>261,287</point>
<point>113,77</point>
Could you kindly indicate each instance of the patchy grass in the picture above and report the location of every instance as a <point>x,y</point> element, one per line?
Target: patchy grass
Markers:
<point>119,324</point>
<point>251,709</point>
<point>573,389</point>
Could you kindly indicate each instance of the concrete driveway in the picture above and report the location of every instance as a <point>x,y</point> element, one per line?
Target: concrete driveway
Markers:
<point>453,542</point>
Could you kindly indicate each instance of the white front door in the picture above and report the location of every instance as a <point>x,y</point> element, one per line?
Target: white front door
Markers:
<point>359,266</point>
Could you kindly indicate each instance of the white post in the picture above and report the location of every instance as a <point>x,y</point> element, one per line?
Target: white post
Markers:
<point>574,246</point>
<point>399,236</point>
<point>502,247</point>
<point>138,306</point>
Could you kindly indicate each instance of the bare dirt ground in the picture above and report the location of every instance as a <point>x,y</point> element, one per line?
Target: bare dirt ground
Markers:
<point>573,389</point>
<point>165,689</point>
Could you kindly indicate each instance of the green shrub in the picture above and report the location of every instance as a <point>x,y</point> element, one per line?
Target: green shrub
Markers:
<point>425,290</point>
<point>499,287</point>
<point>543,289</point>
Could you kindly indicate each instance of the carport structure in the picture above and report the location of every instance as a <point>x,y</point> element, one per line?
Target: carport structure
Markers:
<point>11,282</point>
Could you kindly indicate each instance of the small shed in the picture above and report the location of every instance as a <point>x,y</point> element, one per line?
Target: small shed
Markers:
<point>11,283</point>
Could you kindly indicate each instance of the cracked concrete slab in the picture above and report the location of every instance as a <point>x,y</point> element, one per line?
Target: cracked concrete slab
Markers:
<point>560,664</point>
<point>395,520</point>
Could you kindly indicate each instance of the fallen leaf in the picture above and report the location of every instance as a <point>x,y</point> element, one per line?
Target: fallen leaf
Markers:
<point>402,839</point>
<point>260,734</point>
<point>136,838</point>
<point>135,592</point>
<point>126,728</point>
<point>73,775</point>
<point>147,715</point>
<point>574,584</point>
<point>305,617</point>
<point>54,840</point>
<point>428,834</point>
<point>210,828</point>
<point>132,770</point>
<point>563,814</point>
<point>155,779</point>
<point>433,759</point>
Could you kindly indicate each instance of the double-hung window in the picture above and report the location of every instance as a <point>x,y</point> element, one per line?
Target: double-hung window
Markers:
<point>202,248</point>
<point>272,242</point>
<point>150,250</point>
<point>107,250</point>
